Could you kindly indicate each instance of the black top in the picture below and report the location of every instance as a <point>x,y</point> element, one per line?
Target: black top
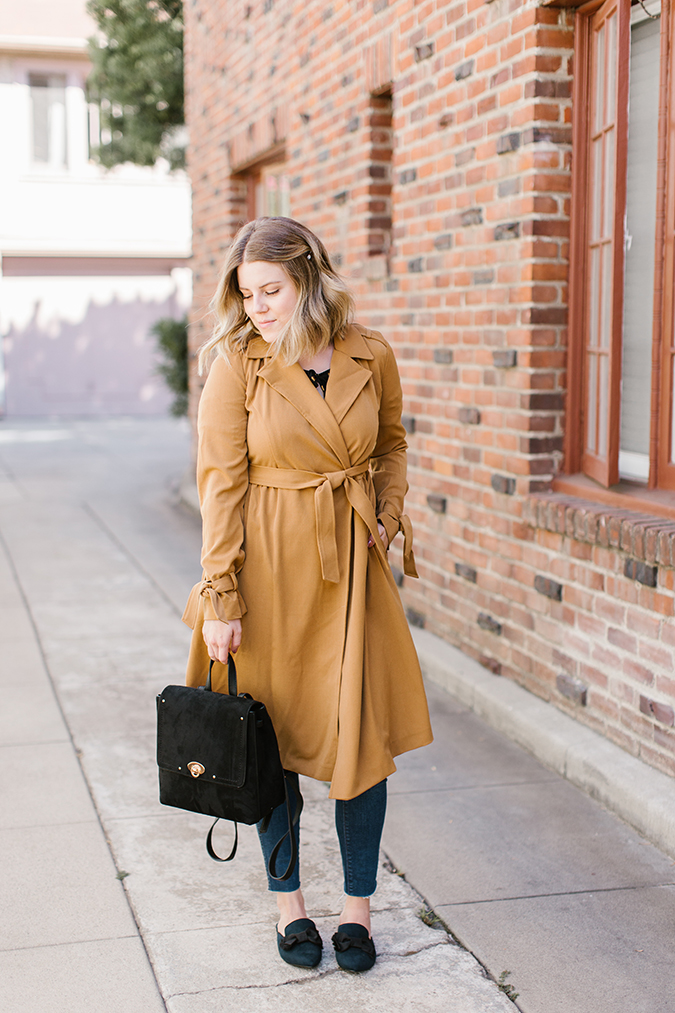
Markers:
<point>319,379</point>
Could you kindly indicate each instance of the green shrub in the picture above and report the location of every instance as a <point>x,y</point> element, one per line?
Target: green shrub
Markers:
<point>172,344</point>
<point>137,80</point>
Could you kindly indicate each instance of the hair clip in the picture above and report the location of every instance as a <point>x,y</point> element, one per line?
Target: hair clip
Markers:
<point>309,256</point>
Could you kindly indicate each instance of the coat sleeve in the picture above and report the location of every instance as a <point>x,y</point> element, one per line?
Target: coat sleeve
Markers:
<point>388,462</point>
<point>222,482</point>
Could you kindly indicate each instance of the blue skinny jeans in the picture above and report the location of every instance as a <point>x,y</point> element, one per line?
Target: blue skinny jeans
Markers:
<point>359,823</point>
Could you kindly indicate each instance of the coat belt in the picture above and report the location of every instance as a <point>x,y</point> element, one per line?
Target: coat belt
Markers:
<point>324,508</point>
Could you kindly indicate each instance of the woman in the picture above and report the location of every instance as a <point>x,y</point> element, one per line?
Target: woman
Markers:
<point>301,476</point>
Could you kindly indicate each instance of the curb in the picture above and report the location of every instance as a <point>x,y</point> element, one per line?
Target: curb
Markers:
<point>639,794</point>
<point>187,491</point>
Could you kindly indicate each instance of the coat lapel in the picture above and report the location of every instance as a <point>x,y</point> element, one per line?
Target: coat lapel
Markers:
<point>292,384</point>
<point>347,379</point>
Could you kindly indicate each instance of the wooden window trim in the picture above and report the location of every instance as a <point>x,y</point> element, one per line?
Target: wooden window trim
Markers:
<point>656,496</point>
<point>252,180</point>
<point>578,5</point>
<point>609,471</point>
<point>277,153</point>
<point>662,470</point>
<point>251,170</point>
<point>603,468</point>
<point>572,445</point>
<point>253,177</point>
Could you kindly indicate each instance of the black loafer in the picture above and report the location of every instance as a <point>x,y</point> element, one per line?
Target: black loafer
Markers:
<point>301,945</point>
<point>354,949</point>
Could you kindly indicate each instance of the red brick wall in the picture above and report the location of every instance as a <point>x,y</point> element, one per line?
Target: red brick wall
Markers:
<point>470,160</point>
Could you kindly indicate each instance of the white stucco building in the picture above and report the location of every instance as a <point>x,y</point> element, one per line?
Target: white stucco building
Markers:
<point>89,258</point>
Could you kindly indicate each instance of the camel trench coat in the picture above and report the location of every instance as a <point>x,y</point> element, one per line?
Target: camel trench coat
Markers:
<point>290,487</point>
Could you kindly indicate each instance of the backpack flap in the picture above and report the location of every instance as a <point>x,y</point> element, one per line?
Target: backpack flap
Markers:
<point>202,734</point>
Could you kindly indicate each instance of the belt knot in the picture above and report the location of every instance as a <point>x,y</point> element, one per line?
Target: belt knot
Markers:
<point>324,486</point>
<point>336,478</point>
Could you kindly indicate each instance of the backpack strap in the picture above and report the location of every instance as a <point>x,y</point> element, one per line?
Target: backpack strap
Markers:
<point>209,843</point>
<point>292,820</point>
<point>272,864</point>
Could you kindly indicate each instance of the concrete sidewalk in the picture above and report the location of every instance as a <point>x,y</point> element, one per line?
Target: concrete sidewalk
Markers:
<point>111,903</point>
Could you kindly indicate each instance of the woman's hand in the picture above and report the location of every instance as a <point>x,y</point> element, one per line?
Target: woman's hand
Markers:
<point>383,536</point>
<point>221,638</point>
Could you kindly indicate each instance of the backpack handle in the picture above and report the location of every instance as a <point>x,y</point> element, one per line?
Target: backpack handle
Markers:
<point>231,676</point>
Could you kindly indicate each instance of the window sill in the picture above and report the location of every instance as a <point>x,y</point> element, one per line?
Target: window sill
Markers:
<point>624,496</point>
<point>637,521</point>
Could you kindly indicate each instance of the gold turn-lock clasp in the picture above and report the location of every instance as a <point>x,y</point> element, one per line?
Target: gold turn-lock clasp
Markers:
<point>195,768</point>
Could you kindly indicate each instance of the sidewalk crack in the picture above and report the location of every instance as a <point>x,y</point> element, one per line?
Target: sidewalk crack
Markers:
<point>590,891</point>
<point>305,979</point>
<point>242,988</point>
<point>445,941</point>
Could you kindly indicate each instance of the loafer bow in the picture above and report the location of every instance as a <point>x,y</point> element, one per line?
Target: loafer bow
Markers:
<point>301,944</point>
<point>342,942</point>
<point>305,936</point>
<point>354,949</point>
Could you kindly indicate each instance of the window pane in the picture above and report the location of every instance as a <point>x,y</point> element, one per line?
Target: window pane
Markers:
<point>672,416</point>
<point>48,103</point>
<point>596,188</point>
<point>594,300</point>
<point>634,466</point>
<point>591,403</point>
<point>40,103</point>
<point>603,405</point>
<point>640,228</point>
<point>93,127</point>
<point>606,295</point>
<point>608,183</point>
<point>599,62</point>
<point>285,196</point>
<point>271,200</point>
<point>611,69</point>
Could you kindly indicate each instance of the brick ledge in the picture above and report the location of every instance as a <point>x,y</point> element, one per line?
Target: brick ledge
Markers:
<point>643,536</point>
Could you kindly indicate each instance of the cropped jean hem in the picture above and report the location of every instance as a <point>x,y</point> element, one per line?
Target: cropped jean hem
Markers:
<point>359,822</point>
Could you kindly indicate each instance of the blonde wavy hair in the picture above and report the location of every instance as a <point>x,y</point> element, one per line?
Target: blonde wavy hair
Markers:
<point>324,307</point>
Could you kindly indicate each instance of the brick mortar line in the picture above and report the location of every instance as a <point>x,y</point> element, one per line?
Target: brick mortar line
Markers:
<point>596,719</point>
<point>575,585</point>
<point>470,647</point>
<point>635,684</point>
<point>541,637</point>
